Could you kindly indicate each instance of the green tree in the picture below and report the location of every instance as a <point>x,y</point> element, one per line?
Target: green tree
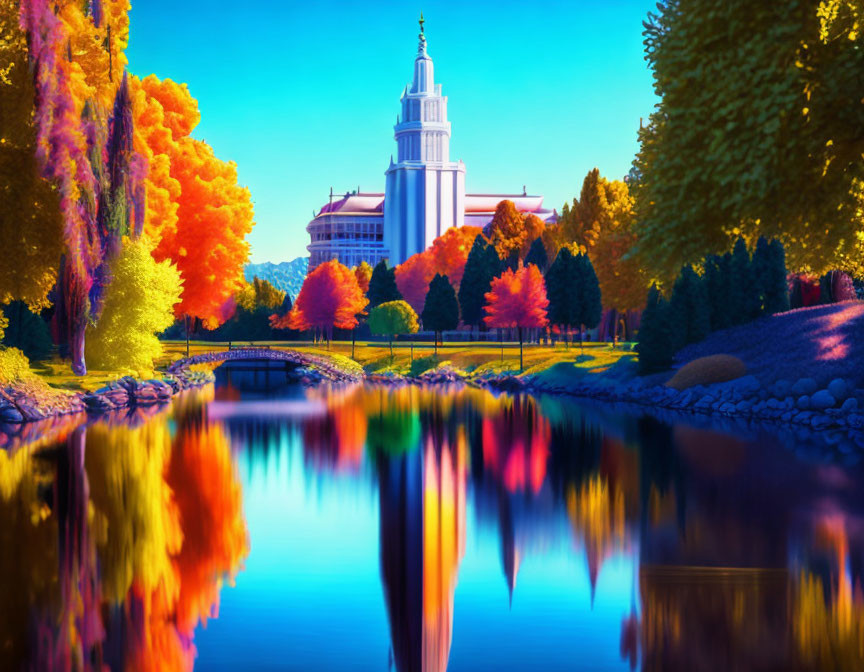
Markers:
<point>743,286</point>
<point>480,268</point>
<point>392,318</point>
<point>717,281</point>
<point>754,132</point>
<point>441,310</point>
<point>26,331</point>
<point>689,313</point>
<point>574,292</point>
<point>558,279</point>
<point>775,285</point>
<point>537,255</point>
<point>589,300</point>
<point>655,347</point>
<point>382,285</point>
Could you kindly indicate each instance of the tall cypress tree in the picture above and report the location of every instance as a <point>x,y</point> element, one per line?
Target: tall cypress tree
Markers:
<point>744,290</point>
<point>655,347</point>
<point>441,310</point>
<point>588,308</point>
<point>559,290</point>
<point>716,282</point>
<point>775,285</point>
<point>689,316</point>
<point>537,255</point>
<point>382,285</point>
<point>475,283</point>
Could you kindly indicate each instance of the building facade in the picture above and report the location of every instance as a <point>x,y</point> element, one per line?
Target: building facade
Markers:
<point>424,191</point>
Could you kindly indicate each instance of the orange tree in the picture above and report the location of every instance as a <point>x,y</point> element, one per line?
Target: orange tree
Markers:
<point>330,297</point>
<point>517,299</point>
<point>196,212</point>
<point>446,256</point>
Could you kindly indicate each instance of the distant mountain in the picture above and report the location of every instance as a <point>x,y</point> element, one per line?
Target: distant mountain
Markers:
<point>286,276</point>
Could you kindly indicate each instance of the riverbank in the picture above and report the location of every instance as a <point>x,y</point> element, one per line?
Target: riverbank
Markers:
<point>803,368</point>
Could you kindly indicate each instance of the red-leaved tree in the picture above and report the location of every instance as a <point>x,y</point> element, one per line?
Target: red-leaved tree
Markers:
<point>517,299</point>
<point>330,297</point>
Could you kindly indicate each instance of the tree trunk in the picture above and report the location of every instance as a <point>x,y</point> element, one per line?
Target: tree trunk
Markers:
<point>501,338</point>
<point>352,342</point>
<point>581,342</point>
<point>412,351</point>
<point>521,364</point>
<point>391,350</point>
<point>186,324</point>
<point>435,336</point>
<point>76,350</point>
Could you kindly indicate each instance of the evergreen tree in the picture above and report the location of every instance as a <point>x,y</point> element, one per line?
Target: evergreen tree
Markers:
<point>655,346</point>
<point>512,261</point>
<point>26,331</point>
<point>537,255</point>
<point>559,290</point>
<point>476,281</point>
<point>588,308</point>
<point>744,290</point>
<point>759,270</point>
<point>689,315</point>
<point>382,285</point>
<point>775,284</point>
<point>716,283</point>
<point>441,310</point>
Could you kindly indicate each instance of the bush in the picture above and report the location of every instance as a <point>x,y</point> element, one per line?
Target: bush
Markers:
<point>139,303</point>
<point>14,367</point>
<point>707,371</point>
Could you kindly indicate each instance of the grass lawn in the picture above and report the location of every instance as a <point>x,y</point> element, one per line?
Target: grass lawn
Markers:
<point>475,358</point>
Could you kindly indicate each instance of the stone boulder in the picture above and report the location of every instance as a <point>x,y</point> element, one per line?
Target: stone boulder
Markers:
<point>822,400</point>
<point>804,386</point>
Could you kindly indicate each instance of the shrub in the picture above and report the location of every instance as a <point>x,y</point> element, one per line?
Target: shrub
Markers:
<point>139,303</point>
<point>707,371</point>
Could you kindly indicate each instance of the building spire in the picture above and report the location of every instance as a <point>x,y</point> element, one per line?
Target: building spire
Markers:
<point>421,46</point>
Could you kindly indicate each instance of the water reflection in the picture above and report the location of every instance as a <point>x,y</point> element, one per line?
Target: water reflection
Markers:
<point>512,533</point>
<point>119,539</point>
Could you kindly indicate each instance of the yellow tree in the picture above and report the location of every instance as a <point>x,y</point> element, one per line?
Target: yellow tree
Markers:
<point>601,224</point>
<point>31,228</point>
<point>139,303</point>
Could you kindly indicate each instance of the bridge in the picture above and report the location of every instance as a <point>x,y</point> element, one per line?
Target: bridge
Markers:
<point>326,366</point>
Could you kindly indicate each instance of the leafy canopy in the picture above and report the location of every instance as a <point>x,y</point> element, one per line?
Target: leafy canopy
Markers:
<point>139,303</point>
<point>757,132</point>
<point>393,318</point>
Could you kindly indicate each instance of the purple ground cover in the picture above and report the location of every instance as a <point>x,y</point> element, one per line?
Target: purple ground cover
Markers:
<point>820,342</point>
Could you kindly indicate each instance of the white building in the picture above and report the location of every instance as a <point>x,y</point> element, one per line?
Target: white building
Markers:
<point>424,191</point>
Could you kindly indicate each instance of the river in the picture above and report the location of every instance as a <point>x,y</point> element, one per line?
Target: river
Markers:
<point>258,525</point>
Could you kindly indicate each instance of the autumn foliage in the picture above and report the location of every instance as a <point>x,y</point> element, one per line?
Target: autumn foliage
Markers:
<point>510,231</point>
<point>446,256</point>
<point>330,297</point>
<point>196,211</point>
<point>517,299</point>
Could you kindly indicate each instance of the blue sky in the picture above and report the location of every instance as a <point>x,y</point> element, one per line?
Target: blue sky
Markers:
<point>304,95</point>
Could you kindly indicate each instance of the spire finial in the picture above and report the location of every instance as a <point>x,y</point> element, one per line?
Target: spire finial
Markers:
<point>422,35</point>
<point>422,21</point>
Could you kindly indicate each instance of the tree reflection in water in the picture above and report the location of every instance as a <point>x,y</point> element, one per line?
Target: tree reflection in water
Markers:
<point>125,529</point>
<point>122,534</point>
